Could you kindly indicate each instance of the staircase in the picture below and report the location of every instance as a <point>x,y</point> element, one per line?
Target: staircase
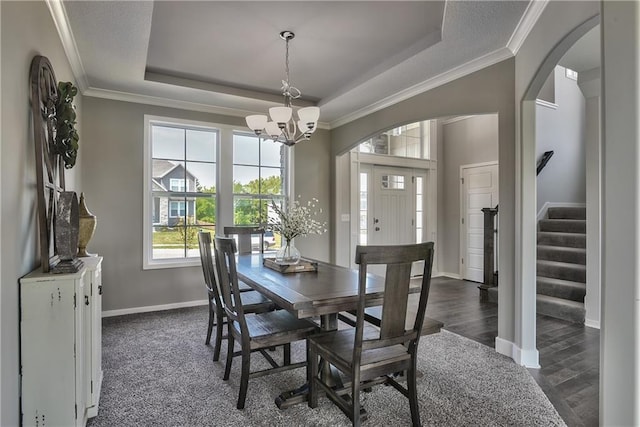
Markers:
<point>561,266</point>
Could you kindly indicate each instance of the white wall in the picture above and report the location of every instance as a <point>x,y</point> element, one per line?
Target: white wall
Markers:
<point>464,142</point>
<point>561,130</point>
<point>27,30</point>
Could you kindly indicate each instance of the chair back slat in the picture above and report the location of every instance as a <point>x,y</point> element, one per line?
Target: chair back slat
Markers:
<point>398,260</point>
<point>396,296</point>
<point>206,259</point>
<point>228,280</point>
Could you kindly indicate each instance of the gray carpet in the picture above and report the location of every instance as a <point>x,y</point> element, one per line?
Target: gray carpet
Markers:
<point>158,372</point>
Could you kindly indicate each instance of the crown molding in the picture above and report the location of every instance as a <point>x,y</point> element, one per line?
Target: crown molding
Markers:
<point>61,21</point>
<point>527,21</point>
<point>439,80</point>
<point>171,103</point>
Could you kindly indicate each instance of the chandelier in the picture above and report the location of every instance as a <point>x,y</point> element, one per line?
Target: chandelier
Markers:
<point>283,127</point>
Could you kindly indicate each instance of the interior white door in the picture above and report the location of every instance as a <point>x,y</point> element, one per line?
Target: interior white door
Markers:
<point>479,189</point>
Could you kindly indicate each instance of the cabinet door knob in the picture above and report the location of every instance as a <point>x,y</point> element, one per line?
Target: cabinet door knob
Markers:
<point>100,290</point>
<point>86,300</point>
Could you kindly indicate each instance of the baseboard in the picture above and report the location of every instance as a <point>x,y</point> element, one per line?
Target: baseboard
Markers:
<point>450,275</point>
<point>526,358</point>
<point>542,214</point>
<point>149,308</point>
<point>592,323</point>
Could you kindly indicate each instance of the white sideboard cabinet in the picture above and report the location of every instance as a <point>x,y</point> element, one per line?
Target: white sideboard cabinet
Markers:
<point>60,346</point>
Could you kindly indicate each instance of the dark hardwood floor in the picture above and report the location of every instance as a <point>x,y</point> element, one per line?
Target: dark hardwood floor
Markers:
<point>569,352</point>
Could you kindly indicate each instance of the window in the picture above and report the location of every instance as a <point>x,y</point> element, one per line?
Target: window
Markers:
<point>364,176</point>
<point>189,188</point>
<point>181,190</point>
<point>177,209</point>
<point>419,209</point>
<point>258,178</point>
<point>412,140</point>
<point>176,184</point>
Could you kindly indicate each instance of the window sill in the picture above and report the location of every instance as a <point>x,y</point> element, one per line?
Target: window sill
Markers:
<point>161,264</point>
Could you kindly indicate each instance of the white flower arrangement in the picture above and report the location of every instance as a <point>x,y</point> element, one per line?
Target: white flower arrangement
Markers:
<point>297,220</point>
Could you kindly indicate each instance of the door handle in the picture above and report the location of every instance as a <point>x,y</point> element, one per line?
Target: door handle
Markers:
<point>375,220</point>
<point>86,300</point>
<point>100,290</point>
<point>377,228</point>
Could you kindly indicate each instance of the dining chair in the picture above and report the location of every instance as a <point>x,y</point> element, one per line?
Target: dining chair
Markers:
<point>370,355</point>
<point>244,233</point>
<point>253,301</point>
<point>256,332</point>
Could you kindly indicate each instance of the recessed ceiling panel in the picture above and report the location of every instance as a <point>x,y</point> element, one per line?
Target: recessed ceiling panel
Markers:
<point>337,44</point>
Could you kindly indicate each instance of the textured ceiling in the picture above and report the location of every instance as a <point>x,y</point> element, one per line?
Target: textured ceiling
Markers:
<point>348,57</point>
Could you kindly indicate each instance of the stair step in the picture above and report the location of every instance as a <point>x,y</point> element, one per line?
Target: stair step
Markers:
<point>567,213</point>
<point>560,308</point>
<point>562,254</point>
<point>573,240</point>
<point>559,288</point>
<point>562,270</point>
<point>563,225</point>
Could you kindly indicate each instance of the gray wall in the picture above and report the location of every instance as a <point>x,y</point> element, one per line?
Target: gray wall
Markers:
<point>114,190</point>
<point>27,30</point>
<point>490,90</point>
<point>472,140</point>
<point>562,130</point>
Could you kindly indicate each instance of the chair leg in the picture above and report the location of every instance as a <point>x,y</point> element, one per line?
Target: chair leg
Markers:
<point>413,392</point>
<point>219,333</point>
<point>312,372</point>
<point>244,378</point>
<point>355,401</point>
<point>287,354</point>
<point>227,368</point>
<point>210,328</point>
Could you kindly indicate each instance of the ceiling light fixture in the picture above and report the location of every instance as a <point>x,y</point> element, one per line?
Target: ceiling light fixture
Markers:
<point>282,127</point>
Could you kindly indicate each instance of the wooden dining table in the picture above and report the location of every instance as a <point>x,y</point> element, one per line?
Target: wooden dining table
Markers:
<point>323,293</point>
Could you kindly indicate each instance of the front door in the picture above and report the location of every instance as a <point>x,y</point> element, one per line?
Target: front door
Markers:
<point>478,189</point>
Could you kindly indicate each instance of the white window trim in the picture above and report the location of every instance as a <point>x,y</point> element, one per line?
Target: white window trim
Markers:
<point>224,185</point>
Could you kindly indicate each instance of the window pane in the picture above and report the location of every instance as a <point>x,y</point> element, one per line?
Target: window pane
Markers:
<point>176,214</point>
<point>201,145</point>
<point>419,185</point>
<point>419,219</point>
<point>419,235</point>
<point>202,177</point>
<point>167,142</point>
<point>246,150</point>
<point>205,210</point>
<point>245,179</point>
<point>248,211</point>
<point>419,202</point>
<point>271,181</point>
<point>271,154</point>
